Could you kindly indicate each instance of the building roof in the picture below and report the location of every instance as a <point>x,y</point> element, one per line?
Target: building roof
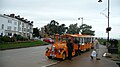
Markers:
<point>18,18</point>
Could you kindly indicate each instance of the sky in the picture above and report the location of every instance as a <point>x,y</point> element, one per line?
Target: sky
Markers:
<point>67,12</point>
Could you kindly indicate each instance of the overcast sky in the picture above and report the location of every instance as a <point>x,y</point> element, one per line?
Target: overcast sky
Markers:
<point>67,12</point>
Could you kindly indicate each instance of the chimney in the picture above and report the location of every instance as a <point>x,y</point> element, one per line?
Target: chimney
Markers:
<point>18,16</point>
<point>22,18</point>
<point>26,20</point>
<point>4,14</point>
<point>12,15</point>
<point>31,22</point>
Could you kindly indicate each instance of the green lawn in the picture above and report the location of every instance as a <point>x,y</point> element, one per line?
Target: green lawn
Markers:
<point>21,45</point>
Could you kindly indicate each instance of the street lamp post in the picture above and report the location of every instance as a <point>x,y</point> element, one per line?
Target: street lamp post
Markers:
<point>82,20</point>
<point>108,28</point>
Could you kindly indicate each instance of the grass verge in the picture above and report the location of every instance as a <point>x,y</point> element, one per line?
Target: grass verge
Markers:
<point>5,46</point>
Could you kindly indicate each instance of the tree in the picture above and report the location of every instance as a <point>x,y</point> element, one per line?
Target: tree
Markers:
<point>73,29</point>
<point>53,26</point>
<point>86,29</point>
<point>62,29</point>
<point>36,32</point>
<point>46,27</point>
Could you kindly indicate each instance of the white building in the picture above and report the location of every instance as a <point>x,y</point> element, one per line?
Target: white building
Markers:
<point>11,24</point>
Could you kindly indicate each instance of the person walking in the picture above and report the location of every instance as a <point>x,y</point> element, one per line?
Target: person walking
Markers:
<point>93,54</point>
<point>70,49</point>
<point>96,48</point>
<point>79,51</point>
<point>77,41</point>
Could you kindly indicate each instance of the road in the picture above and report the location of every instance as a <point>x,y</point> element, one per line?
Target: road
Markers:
<point>84,60</point>
<point>25,57</point>
<point>35,57</point>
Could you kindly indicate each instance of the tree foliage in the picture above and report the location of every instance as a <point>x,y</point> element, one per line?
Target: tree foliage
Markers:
<point>62,29</point>
<point>73,29</point>
<point>54,28</point>
<point>86,29</point>
<point>46,29</point>
<point>36,32</point>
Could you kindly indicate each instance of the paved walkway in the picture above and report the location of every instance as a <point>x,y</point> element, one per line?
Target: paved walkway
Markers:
<point>84,60</point>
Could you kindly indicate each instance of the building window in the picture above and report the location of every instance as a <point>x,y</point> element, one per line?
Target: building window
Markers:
<point>14,28</point>
<point>9,28</point>
<point>9,21</point>
<point>22,24</point>
<point>2,26</point>
<point>28,30</point>
<point>19,22</point>
<point>19,28</point>
<point>15,23</point>
<point>22,29</point>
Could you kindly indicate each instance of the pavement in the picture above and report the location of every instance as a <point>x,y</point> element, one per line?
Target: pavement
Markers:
<point>84,60</point>
<point>25,57</point>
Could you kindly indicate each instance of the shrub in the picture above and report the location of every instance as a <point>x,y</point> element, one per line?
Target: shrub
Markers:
<point>20,38</point>
<point>1,40</point>
<point>119,49</point>
<point>13,39</point>
<point>6,39</point>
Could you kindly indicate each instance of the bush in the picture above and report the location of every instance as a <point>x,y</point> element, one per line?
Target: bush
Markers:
<point>12,39</point>
<point>20,38</point>
<point>119,49</point>
<point>6,39</point>
<point>1,40</point>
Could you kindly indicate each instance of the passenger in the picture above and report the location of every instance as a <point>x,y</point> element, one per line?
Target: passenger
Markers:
<point>93,54</point>
<point>96,47</point>
<point>79,52</point>
<point>70,49</point>
<point>76,41</point>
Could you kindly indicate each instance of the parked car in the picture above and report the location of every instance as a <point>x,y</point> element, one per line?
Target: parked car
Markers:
<point>49,40</point>
<point>36,38</point>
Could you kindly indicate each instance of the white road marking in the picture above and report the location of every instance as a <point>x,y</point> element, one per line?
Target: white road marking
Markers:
<point>51,64</point>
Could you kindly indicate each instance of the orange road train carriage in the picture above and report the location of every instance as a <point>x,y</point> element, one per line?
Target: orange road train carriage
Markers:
<point>85,42</point>
<point>59,48</point>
